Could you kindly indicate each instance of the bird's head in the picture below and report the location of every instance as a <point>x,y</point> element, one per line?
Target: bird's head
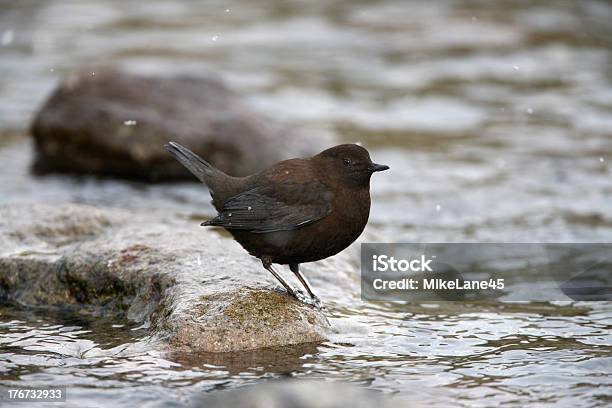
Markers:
<point>350,163</point>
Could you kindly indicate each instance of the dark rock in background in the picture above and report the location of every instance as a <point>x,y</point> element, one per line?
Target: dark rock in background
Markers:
<point>107,122</point>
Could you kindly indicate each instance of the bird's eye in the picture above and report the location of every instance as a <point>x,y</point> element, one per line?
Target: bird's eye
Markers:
<point>347,161</point>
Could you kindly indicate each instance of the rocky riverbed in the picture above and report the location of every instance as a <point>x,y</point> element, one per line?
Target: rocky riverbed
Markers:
<point>193,288</point>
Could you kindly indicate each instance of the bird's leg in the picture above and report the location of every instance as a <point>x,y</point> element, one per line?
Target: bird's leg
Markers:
<point>295,268</point>
<point>267,263</point>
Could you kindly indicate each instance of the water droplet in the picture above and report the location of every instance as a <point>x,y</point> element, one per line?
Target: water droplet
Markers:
<point>93,73</point>
<point>229,215</point>
<point>7,37</point>
<point>529,111</point>
<point>227,10</point>
<point>286,172</point>
<point>130,123</point>
<point>438,207</point>
<point>601,159</point>
<point>516,67</point>
<point>250,208</point>
<point>51,70</point>
<point>215,37</point>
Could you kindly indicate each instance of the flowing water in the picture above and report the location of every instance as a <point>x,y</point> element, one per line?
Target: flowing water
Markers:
<point>496,120</point>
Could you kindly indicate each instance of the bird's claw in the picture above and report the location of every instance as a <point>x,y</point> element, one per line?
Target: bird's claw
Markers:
<point>311,301</point>
<point>316,302</point>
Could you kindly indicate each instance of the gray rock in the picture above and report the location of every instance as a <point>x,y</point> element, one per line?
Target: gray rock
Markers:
<point>107,122</point>
<point>300,394</point>
<point>194,288</point>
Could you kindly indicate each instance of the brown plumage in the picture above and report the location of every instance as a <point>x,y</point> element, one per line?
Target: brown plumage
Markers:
<point>298,210</point>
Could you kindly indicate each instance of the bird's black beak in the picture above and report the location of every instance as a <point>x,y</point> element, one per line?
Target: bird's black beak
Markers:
<point>378,167</point>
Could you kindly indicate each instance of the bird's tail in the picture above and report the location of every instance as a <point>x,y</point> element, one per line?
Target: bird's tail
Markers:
<point>194,163</point>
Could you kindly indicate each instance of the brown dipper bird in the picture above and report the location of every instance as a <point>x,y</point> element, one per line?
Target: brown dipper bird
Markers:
<point>296,211</point>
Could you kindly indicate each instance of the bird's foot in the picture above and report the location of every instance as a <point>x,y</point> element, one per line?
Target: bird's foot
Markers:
<point>307,299</point>
<point>316,302</point>
<point>301,296</point>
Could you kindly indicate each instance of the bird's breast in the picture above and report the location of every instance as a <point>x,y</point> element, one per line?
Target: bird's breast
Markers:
<point>333,233</point>
<point>319,240</point>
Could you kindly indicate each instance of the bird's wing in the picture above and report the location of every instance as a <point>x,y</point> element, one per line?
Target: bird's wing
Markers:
<point>282,207</point>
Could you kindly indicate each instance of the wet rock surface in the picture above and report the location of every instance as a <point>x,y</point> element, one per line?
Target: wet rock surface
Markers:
<point>301,394</point>
<point>196,290</point>
<point>104,121</point>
